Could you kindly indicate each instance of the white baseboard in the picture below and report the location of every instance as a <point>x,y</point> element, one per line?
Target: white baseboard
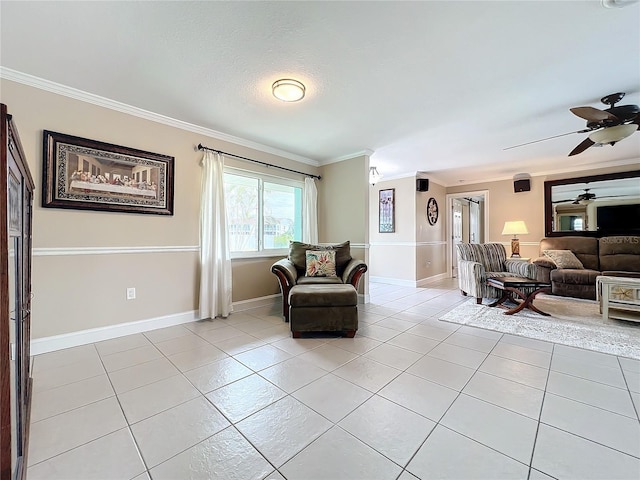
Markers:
<point>392,281</point>
<point>267,301</point>
<point>433,279</point>
<point>83,337</point>
<point>408,283</point>
<point>92,335</point>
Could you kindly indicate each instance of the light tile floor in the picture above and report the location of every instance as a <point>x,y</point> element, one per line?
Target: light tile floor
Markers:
<point>409,397</point>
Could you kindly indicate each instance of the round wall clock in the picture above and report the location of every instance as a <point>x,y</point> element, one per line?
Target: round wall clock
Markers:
<point>432,211</point>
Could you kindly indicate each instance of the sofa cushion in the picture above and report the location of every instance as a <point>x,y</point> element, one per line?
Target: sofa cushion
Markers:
<point>321,263</point>
<point>574,276</point>
<point>319,280</point>
<point>564,259</point>
<point>620,253</point>
<point>323,296</point>
<point>298,255</point>
<point>585,248</point>
<point>619,273</point>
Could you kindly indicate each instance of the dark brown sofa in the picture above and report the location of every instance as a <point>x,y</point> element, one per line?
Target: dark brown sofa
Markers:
<point>617,256</point>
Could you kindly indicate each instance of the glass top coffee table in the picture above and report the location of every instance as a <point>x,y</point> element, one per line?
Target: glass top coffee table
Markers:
<point>511,286</point>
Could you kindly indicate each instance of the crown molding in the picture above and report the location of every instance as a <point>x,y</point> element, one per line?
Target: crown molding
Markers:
<point>433,178</point>
<point>365,152</point>
<point>70,92</point>
<point>546,173</point>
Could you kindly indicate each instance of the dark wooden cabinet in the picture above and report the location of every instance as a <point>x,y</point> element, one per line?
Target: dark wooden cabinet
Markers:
<point>16,192</point>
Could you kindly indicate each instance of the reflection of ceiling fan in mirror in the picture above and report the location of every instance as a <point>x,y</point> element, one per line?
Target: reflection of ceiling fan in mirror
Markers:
<point>607,126</point>
<point>587,197</point>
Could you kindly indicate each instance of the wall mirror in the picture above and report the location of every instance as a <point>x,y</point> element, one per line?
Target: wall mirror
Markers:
<point>593,206</point>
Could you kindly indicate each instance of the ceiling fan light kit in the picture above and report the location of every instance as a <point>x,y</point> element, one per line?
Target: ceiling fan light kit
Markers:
<point>612,135</point>
<point>617,3</point>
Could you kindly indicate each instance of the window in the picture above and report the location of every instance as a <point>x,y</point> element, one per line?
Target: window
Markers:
<point>264,213</point>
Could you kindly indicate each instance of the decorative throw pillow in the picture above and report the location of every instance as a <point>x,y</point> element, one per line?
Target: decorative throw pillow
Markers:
<point>564,259</point>
<point>298,251</point>
<point>321,263</point>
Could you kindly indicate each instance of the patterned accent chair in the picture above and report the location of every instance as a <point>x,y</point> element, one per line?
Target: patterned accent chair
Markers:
<point>479,261</point>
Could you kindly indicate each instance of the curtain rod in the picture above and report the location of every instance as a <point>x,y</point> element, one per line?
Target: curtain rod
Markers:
<point>202,147</point>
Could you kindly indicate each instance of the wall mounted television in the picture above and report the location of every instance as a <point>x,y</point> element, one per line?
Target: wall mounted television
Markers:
<point>619,219</point>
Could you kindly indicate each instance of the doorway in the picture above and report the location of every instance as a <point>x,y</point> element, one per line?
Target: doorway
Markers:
<point>468,223</point>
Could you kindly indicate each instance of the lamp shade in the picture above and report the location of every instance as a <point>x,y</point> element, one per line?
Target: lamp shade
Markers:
<point>517,227</point>
<point>613,134</point>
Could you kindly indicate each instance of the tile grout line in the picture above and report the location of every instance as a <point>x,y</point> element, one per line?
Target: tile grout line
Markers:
<point>135,441</point>
<point>544,396</point>
<point>633,404</point>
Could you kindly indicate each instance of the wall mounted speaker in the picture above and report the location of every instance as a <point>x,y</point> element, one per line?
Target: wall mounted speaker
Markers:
<point>422,184</point>
<point>522,185</point>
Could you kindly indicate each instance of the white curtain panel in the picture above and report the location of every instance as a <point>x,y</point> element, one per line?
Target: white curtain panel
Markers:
<point>310,212</point>
<point>215,259</point>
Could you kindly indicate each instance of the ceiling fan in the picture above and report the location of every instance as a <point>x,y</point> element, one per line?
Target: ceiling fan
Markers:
<point>587,197</point>
<point>607,126</point>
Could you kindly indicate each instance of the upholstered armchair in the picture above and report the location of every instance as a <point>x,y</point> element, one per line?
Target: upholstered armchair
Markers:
<point>479,261</point>
<point>292,271</point>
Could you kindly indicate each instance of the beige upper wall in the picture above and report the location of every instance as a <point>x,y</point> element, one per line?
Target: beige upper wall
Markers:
<point>36,110</point>
<point>505,205</point>
<point>343,208</point>
<point>404,210</point>
<point>430,253</point>
<point>415,251</point>
<point>79,292</point>
<point>343,201</point>
<point>424,231</point>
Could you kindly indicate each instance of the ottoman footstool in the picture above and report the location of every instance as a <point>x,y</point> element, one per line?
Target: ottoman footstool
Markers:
<point>323,308</point>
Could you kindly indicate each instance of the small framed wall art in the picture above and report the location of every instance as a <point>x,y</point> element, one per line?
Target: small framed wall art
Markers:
<point>432,211</point>
<point>85,174</point>
<point>386,211</point>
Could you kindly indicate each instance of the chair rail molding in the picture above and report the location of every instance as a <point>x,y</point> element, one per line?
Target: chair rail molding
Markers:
<point>407,244</point>
<point>62,251</point>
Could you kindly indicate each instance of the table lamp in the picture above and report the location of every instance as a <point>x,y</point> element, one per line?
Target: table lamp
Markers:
<point>515,228</point>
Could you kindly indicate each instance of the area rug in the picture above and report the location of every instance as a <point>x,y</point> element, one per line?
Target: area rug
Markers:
<point>573,322</point>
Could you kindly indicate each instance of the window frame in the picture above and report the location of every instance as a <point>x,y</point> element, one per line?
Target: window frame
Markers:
<point>262,178</point>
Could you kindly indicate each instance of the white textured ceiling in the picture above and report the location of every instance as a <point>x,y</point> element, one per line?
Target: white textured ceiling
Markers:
<point>438,86</point>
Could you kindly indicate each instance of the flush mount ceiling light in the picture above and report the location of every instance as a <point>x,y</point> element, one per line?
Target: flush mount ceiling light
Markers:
<point>612,135</point>
<point>617,3</point>
<point>288,90</point>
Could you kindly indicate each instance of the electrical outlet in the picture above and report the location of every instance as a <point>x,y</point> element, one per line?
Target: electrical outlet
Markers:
<point>131,293</point>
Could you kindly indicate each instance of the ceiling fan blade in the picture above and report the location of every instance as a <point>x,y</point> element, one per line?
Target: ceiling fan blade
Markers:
<point>582,146</point>
<point>616,196</point>
<point>592,114</point>
<point>548,138</point>
<point>565,201</point>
